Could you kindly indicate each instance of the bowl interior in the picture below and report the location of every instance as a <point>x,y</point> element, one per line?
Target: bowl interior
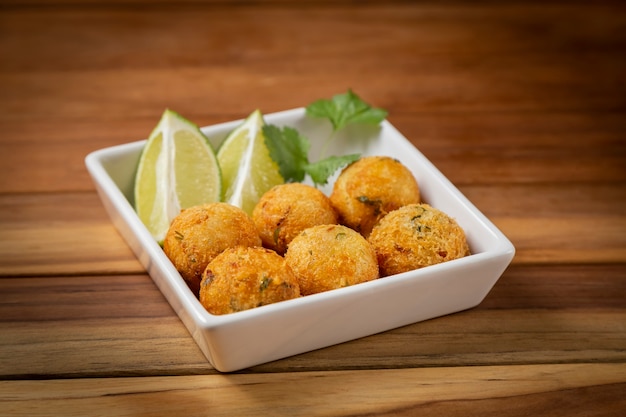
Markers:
<point>118,164</point>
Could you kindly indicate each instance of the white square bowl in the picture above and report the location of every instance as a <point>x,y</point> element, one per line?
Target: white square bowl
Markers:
<point>243,339</point>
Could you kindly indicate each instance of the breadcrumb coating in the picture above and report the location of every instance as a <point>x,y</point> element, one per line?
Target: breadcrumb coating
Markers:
<point>371,187</point>
<point>286,210</point>
<point>415,236</point>
<point>242,278</point>
<point>328,257</point>
<point>200,233</point>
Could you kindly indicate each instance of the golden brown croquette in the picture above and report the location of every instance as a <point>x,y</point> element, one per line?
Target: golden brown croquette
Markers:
<point>415,236</point>
<point>286,210</point>
<point>370,188</point>
<point>327,257</point>
<point>200,233</point>
<point>242,278</point>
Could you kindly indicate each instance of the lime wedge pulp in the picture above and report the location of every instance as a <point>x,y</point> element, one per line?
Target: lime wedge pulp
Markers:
<point>248,170</point>
<point>177,169</point>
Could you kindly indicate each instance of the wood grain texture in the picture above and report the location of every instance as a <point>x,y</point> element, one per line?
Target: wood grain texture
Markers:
<point>457,391</point>
<point>470,149</point>
<point>124,326</point>
<point>522,105</point>
<point>555,216</point>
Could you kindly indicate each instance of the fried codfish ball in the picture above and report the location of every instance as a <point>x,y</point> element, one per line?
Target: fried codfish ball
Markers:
<point>327,257</point>
<point>200,233</point>
<point>370,188</point>
<point>416,236</point>
<point>242,278</point>
<point>286,210</point>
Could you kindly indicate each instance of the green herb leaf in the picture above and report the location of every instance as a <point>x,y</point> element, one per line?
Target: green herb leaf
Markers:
<point>375,204</point>
<point>323,169</point>
<point>289,150</point>
<point>265,282</point>
<point>344,109</point>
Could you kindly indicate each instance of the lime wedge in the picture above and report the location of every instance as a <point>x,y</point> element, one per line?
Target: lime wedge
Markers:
<point>177,169</point>
<point>248,170</point>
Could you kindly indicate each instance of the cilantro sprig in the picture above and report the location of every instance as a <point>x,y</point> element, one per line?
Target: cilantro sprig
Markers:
<point>344,109</point>
<point>290,149</point>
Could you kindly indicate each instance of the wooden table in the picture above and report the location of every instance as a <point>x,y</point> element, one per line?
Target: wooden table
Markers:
<point>522,105</point>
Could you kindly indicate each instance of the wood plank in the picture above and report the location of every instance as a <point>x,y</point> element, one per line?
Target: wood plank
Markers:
<point>454,30</point>
<point>62,249</point>
<point>128,92</point>
<point>52,250</point>
<point>568,389</point>
<point>110,297</point>
<point>451,51</point>
<point>586,201</point>
<point>60,234</point>
<point>93,326</point>
<point>99,348</point>
<point>40,234</point>
<point>81,298</point>
<point>556,287</point>
<point>566,240</point>
<point>470,149</point>
<point>439,24</point>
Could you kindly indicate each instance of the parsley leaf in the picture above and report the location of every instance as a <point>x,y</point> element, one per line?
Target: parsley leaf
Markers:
<point>344,109</point>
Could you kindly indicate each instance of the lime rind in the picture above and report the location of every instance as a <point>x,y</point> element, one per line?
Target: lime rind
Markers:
<point>235,156</point>
<point>248,170</point>
<point>178,168</point>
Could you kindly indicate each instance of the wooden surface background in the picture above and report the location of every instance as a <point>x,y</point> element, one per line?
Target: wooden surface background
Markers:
<point>522,105</point>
